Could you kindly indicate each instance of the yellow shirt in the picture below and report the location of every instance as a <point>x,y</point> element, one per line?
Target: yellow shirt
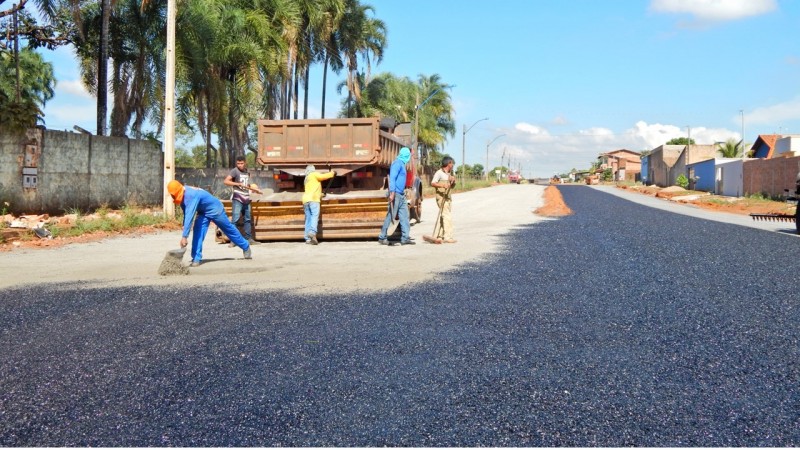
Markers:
<point>313,185</point>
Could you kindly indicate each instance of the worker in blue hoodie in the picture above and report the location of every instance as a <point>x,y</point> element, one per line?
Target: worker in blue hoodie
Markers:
<point>397,200</point>
<point>195,201</point>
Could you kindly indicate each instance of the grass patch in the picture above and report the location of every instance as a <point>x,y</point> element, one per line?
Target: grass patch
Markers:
<point>105,220</point>
<point>468,185</point>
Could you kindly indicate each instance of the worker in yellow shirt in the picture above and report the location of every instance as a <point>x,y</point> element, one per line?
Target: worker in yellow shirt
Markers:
<point>311,201</point>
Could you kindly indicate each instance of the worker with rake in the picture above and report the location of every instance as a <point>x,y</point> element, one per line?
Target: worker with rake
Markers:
<point>207,208</point>
<point>443,180</point>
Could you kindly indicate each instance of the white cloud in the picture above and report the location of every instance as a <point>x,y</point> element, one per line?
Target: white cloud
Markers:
<point>542,154</point>
<point>774,114</point>
<point>715,10</point>
<point>72,87</point>
<point>65,116</point>
<point>531,129</point>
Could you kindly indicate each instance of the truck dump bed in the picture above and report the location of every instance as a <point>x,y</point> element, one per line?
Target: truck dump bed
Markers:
<point>340,143</point>
<point>357,149</point>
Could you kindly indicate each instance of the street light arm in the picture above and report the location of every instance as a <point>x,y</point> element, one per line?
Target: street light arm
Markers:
<point>487,153</point>
<point>496,138</point>
<point>432,94</point>
<point>476,122</point>
<point>463,147</point>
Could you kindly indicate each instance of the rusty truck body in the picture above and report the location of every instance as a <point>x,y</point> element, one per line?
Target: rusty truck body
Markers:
<point>354,204</point>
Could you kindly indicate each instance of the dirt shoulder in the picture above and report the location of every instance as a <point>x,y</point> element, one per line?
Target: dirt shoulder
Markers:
<point>710,202</point>
<point>480,217</point>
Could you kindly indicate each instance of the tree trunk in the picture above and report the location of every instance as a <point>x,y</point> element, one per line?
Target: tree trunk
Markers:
<point>102,69</point>
<point>305,93</point>
<point>295,93</point>
<point>324,83</point>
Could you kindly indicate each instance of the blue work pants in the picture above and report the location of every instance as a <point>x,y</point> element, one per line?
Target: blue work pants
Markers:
<point>200,228</point>
<point>312,219</point>
<point>237,210</point>
<point>401,206</point>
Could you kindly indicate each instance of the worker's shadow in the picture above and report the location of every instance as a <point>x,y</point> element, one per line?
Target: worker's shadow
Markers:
<point>210,260</point>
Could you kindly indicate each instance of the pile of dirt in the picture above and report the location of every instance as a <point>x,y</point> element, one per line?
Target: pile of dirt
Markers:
<point>554,205</point>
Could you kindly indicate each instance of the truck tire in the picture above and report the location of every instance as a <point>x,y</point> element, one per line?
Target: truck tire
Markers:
<point>797,218</point>
<point>415,206</point>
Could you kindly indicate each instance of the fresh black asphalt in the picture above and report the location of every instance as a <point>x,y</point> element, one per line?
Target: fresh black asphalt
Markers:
<point>620,325</point>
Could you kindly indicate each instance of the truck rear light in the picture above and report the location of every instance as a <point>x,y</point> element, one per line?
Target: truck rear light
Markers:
<point>362,174</point>
<point>281,176</point>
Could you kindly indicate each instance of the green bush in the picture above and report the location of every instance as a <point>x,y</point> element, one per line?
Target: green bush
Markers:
<point>682,181</point>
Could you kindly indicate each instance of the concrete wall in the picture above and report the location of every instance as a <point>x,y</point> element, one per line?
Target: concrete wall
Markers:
<point>729,178</point>
<point>660,167</point>
<point>77,171</point>
<point>704,171</point>
<point>770,176</point>
<point>786,144</point>
<point>211,180</point>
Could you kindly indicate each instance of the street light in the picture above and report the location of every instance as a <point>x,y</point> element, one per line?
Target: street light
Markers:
<point>415,143</point>
<point>487,154</point>
<point>741,111</point>
<point>463,146</point>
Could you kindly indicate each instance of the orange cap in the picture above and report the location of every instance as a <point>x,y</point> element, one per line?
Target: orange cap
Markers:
<point>176,189</point>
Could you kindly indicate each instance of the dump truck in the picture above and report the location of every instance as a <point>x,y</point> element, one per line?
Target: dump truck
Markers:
<point>513,176</point>
<point>354,202</point>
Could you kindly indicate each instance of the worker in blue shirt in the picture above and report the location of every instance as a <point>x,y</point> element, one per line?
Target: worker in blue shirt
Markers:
<point>397,200</point>
<point>195,201</point>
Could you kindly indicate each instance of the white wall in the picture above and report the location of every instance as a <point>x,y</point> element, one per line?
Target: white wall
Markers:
<point>729,178</point>
<point>787,144</point>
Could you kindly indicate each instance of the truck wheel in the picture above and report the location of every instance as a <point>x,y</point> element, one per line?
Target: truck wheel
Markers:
<point>415,212</point>
<point>415,208</point>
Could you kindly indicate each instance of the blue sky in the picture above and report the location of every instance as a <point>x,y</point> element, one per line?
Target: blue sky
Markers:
<point>562,81</point>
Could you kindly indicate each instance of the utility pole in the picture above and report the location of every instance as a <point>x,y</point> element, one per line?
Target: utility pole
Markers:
<point>169,110</point>
<point>16,48</point>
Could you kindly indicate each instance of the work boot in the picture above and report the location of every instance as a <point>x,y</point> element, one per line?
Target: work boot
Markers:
<point>194,264</point>
<point>313,238</point>
<point>252,241</point>
<point>408,242</point>
<point>248,254</point>
<point>383,241</point>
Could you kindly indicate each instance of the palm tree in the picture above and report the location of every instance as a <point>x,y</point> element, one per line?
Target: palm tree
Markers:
<point>359,37</point>
<point>329,52</point>
<point>730,149</point>
<point>389,96</point>
<point>435,119</point>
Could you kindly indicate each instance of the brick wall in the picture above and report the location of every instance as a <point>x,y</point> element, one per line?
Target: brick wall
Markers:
<point>770,176</point>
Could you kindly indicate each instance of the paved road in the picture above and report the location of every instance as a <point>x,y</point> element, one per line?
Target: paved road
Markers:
<point>621,325</point>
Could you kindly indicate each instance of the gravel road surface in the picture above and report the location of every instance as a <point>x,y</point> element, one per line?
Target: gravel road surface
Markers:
<point>479,217</point>
<point>620,325</point>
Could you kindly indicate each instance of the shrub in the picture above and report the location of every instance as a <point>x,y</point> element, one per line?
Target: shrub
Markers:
<point>682,181</point>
